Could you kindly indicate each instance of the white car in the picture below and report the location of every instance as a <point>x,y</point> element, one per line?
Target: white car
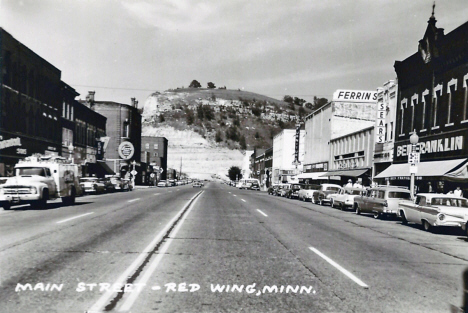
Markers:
<point>433,210</point>
<point>92,185</point>
<point>162,183</point>
<point>307,192</point>
<point>345,197</point>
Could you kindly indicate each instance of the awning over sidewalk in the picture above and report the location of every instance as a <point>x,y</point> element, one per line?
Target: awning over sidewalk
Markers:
<point>313,175</point>
<point>100,168</point>
<point>451,169</point>
<point>349,173</point>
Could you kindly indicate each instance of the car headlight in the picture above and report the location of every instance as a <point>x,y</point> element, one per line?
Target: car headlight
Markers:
<point>441,217</point>
<point>33,190</point>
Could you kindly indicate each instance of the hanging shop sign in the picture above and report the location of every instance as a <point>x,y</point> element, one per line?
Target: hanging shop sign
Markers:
<point>126,150</point>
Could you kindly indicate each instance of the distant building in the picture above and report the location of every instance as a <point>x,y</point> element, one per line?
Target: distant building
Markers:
<point>284,155</point>
<point>348,112</point>
<point>154,154</point>
<point>123,129</point>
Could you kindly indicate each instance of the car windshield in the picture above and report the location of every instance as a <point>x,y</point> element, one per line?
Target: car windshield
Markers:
<point>463,203</point>
<point>399,195</point>
<point>333,189</point>
<point>30,171</point>
<point>296,187</point>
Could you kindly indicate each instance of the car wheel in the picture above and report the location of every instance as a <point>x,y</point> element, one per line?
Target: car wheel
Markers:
<point>404,221</point>
<point>7,206</point>
<point>332,203</point>
<point>376,215</point>
<point>426,226</point>
<point>466,230</point>
<point>358,210</point>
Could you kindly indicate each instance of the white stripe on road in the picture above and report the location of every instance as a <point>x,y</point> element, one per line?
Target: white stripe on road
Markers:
<point>133,200</point>
<point>157,194</point>
<point>99,305</point>
<point>128,303</point>
<point>340,268</point>
<point>72,218</point>
<point>235,195</point>
<point>243,200</point>
<point>261,212</point>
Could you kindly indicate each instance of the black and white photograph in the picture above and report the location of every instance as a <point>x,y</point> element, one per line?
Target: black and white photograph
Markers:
<point>202,156</point>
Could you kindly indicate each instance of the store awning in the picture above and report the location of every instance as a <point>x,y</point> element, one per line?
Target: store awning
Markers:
<point>348,173</point>
<point>451,169</point>
<point>100,168</point>
<point>313,175</point>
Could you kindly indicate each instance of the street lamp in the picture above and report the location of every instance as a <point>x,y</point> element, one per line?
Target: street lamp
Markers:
<point>414,138</point>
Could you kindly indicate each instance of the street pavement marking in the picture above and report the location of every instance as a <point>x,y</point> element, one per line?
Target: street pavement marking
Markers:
<point>340,268</point>
<point>72,218</point>
<point>99,305</point>
<point>128,303</point>
<point>157,194</point>
<point>243,200</point>
<point>235,195</point>
<point>133,200</point>
<point>261,212</point>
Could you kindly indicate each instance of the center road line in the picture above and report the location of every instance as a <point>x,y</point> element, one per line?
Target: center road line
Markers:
<point>243,200</point>
<point>72,218</point>
<point>157,194</point>
<point>261,212</point>
<point>235,195</point>
<point>340,268</point>
<point>128,303</point>
<point>104,300</point>
<point>133,200</point>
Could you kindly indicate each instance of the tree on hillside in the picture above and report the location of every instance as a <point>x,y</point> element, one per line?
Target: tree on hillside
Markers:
<point>218,136</point>
<point>299,101</point>
<point>243,143</point>
<point>234,173</point>
<point>319,102</point>
<point>288,99</point>
<point>189,116</point>
<point>195,84</point>
<point>231,133</point>
<point>208,112</point>
<point>211,85</point>
<point>200,113</point>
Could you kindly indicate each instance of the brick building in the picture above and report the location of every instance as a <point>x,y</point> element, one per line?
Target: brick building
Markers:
<point>154,154</point>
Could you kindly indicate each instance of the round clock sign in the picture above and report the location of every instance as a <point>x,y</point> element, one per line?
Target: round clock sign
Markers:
<point>126,150</point>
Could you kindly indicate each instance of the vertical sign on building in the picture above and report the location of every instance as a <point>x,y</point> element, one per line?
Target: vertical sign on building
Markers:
<point>296,151</point>
<point>380,123</point>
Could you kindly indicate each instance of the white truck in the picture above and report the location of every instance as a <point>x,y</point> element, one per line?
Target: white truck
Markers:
<point>38,179</point>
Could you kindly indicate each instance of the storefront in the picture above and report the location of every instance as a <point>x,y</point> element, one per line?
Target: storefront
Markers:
<point>14,148</point>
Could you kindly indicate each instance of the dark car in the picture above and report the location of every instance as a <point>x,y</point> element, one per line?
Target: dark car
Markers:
<point>107,184</point>
<point>293,192</point>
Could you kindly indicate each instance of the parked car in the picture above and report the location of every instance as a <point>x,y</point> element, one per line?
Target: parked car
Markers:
<point>320,196</point>
<point>381,201</point>
<point>283,190</point>
<point>293,192</point>
<point>254,186</point>
<point>107,184</point>
<point>272,189</point>
<point>434,210</point>
<point>92,185</point>
<point>306,192</point>
<point>162,183</point>
<point>345,197</point>
<point>117,183</point>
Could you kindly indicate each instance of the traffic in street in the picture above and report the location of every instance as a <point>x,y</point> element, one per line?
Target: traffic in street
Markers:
<point>221,249</point>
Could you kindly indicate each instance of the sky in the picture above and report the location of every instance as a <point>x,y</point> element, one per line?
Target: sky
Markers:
<point>132,48</point>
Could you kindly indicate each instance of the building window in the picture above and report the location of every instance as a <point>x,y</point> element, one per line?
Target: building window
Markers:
<point>404,103</point>
<point>451,88</point>
<point>67,137</point>
<point>465,86</point>
<point>155,154</point>
<point>414,102</point>
<point>156,146</point>
<point>126,130</point>
<point>146,145</point>
<point>437,89</point>
<point>424,102</point>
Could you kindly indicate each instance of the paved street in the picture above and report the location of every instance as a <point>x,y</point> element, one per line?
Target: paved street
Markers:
<point>220,249</point>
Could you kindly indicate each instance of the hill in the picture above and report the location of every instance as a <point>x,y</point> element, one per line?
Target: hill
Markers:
<point>212,128</point>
